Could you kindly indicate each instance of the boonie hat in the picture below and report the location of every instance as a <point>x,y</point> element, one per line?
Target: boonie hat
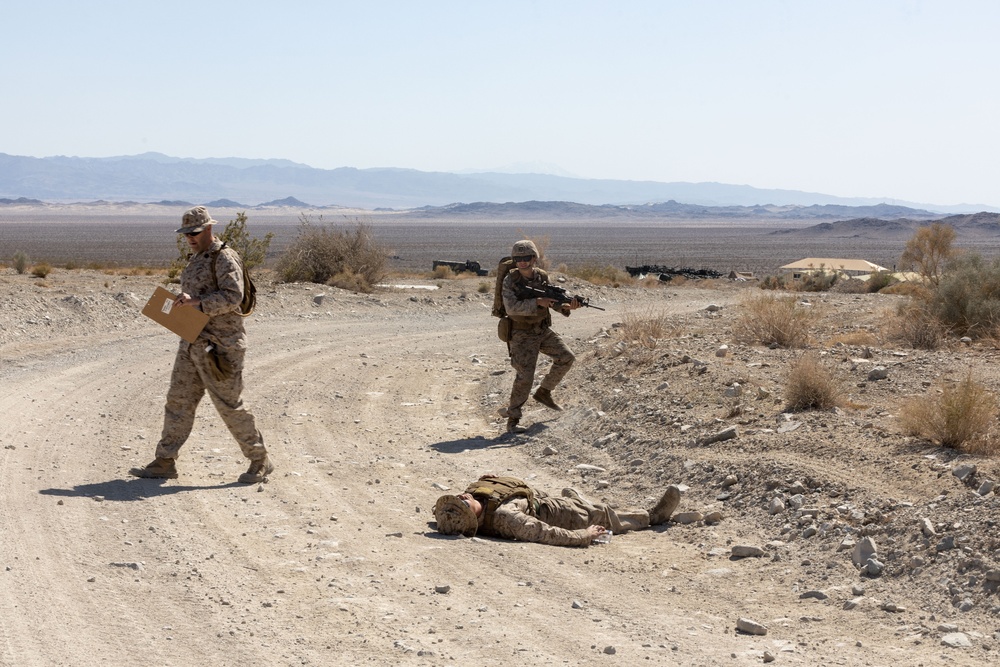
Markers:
<point>454,517</point>
<point>522,248</point>
<point>195,220</point>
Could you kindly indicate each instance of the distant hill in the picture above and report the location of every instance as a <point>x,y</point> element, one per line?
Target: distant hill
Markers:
<point>154,177</point>
<point>968,226</point>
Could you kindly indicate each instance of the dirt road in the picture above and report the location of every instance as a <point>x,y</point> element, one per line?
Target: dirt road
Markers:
<point>371,406</point>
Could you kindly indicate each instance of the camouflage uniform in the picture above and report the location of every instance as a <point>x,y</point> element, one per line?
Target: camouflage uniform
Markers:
<point>221,345</point>
<point>561,522</point>
<point>531,334</point>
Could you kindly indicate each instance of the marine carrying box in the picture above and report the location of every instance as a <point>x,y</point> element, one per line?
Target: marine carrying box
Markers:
<point>184,321</point>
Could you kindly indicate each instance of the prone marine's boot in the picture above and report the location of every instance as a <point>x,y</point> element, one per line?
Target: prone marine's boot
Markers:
<point>665,507</point>
<point>158,469</point>
<point>544,396</point>
<point>258,471</point>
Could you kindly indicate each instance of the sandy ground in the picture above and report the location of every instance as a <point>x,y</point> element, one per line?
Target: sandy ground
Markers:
<point>373,404</point>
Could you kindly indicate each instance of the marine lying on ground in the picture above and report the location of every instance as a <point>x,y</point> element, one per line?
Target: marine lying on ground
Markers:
<point>459,267</point>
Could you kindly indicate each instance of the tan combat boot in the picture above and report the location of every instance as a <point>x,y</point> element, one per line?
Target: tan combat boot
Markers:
<point>258,471</point>
<point>665,507</point>
<point>512,426</point>
<point>544,396</point>
<point>158,469</point>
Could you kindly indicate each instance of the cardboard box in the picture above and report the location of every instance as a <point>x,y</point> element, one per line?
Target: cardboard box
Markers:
<point>185,321</point>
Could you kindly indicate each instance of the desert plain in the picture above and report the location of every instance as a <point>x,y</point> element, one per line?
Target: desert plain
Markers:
<point>375,404</point>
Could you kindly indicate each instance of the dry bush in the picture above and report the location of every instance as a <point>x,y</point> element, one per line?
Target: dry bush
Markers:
<point>600,275</point>
<point>41,270</point>
<point>855,339</point>
<point>646,327</point>
<point>916,326</point>
<point>909,288</point>
<point>960,417</point>
<point>484,287</point>
<point>929,250</point>
<point>321,254</point>
<point>651,282</point>
<point>642,332</point>
<point>442,272</point>
<point>765,319</point>
<point>812,386</point>
<point>967,299</point>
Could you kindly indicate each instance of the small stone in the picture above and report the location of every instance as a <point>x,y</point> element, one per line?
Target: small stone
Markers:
<point>687,517</point>
<point>767,657</point>
<point>549,451</point>
<point>873,567</point>
<point>878,373</point>
<point>776,506</point>
<point>864,550</point>
<point>713,517</point>
<point>963,471</point>
<point>818,595</point>
<point>986,487</point>
<point>722,351</point>
<point>751,627</point>
<point>730,480</point>
<point>609,650</point>
<point>443,589</point>
<point>745,551</point>
<point>577,604</point>
<point>956,640</point>
<point>926,527</point>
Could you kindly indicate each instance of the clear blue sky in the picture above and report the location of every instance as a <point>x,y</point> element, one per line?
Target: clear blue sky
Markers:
<point>896,99</point>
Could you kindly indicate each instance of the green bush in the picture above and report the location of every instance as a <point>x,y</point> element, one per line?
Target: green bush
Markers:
<point>323,254</point>
<point>252,251</point>
<point>20,262</point>
<point>967,300</point>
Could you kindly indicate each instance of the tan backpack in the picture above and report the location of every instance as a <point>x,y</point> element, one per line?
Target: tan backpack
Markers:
<point>505,325</point>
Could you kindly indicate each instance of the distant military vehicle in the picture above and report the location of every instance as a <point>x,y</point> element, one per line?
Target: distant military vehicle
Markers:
<point>459,267</point>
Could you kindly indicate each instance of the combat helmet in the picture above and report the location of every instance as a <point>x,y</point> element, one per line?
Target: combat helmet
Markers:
<point>454,517</point>
<point>523,248</point>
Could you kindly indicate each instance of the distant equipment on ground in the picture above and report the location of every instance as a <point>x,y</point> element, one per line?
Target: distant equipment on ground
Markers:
<point>460,267</point>
<point>666,273</point>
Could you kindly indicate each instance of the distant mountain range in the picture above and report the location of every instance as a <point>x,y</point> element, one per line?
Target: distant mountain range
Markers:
<point>154,177</point>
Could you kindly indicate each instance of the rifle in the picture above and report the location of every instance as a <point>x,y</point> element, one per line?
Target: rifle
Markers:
<point>557,294</point>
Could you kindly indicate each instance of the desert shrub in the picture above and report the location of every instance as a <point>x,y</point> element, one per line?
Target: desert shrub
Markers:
<point>321,253</point>
<point>908,288</point>
<point>646,327</point>
<point>812,386</point>
<point>929,251</point>
<point>641,333</point>
<point>960,417</point>
<point>967,299</point>
<point>484,287</point>
<point>253,251</point>
<point>819,281</point>
<point>442,272</point>
<point>20,262</point>
<point>855,339</point>
<point>916,326</point>
<point>765,319</point>
<point>600,275</point>
<point>878,281</point>
<point>772,283</point>
<point>41,270</point>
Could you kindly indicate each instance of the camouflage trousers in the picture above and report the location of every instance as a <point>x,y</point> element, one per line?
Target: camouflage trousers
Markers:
<point>524,349</point>
<point>191,378</point>
<point>574,514</point>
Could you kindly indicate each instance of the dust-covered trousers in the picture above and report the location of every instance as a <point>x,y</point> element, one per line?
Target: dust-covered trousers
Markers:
<point>524,348</point>
<point>563,522</point>
<point>191,378</point>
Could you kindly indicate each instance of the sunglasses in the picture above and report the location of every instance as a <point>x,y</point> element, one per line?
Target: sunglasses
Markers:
<point>523,258</point>
<point>193,234</point>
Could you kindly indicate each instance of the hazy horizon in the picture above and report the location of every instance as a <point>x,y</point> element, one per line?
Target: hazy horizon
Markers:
<point>891,100</point>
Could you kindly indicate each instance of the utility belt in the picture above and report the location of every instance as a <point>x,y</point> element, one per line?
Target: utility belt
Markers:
<point>537,327</point>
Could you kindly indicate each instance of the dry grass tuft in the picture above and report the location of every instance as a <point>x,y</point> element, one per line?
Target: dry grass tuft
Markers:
<point>765,319</point>
<point>855,339</point>
<point>599,275</point>
<point>961,417</point>
<point>642,332</point>
<point>812,386</point>
<point>41,270</point>
<point>916,326</point>
<point>442,272</point>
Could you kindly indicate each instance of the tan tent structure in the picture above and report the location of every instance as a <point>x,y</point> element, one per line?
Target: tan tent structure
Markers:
<point>849,267</point>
